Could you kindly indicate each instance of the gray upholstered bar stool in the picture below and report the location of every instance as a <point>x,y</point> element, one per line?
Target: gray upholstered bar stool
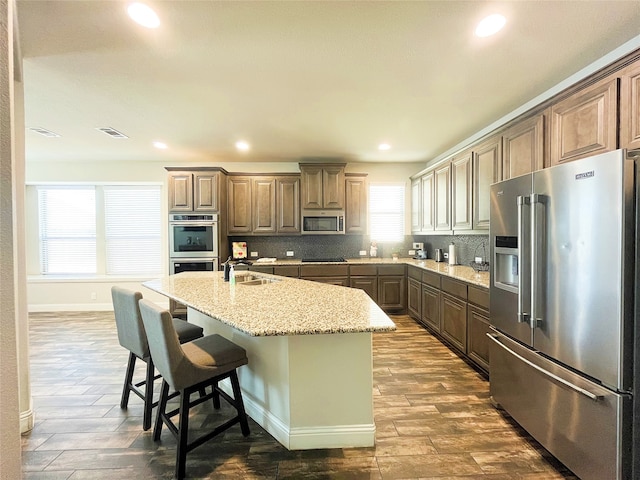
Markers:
<point>132,336</point>
<point>189,368</point>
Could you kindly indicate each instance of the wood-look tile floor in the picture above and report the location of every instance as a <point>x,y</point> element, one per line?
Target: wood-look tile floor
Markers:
<point>432,414</point>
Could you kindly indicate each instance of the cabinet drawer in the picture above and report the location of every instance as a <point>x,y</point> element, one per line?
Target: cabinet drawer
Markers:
<point>332,280</point>
<point>261,269</point>
<point>287,271</point>
<point>414,272</point>
<point>479,296</point>
<point>324,270</point>
<point>391,269</point>
<point>363,270</point>
<point>431,278</point>
<point>454,287</point>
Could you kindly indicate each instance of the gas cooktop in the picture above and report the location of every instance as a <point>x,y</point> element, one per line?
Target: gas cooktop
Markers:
<point>324,260</point>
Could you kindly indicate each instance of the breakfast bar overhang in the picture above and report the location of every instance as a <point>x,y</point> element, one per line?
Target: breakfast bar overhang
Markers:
<point>309,381</point>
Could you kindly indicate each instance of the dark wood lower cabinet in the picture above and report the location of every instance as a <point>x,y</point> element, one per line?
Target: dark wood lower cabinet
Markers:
<point>414,298</point>
<point>287,271</point>
<point>431,308</point>
<point>367,283</point>
<point>392,293</point>
<point>454,321</point>
<point>341,281</point>
<point>477,340</point>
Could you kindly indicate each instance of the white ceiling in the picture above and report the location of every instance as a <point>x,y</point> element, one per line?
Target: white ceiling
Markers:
<point>295,79</point>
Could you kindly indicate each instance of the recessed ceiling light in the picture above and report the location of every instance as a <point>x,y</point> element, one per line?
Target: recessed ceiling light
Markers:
<point>384,146</point>
<point>143,15</point>
<point>242,146</point>
<point>160,145</point>
<point>490,25</point>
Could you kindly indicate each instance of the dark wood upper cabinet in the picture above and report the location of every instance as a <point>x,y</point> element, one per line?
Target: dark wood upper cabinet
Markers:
<point>356,200</point>
<point>442,197</point>
<point>322,186</point>
<point>263,198</point>
<point>487,163</point>
<point>523,147</point>
<point>288,204</point>
<point>630,107</point>
<point>586,123</point>
<point>193,191</point>
<point>461,176</point>
<point>240,219</point>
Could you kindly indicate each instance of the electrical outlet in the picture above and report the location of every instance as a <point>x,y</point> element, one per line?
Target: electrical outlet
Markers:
<point>446,255</point>
<point>363,253</point>
<point>254,254</point>
<point>412,252</point>
<point>289,253</point>
<point>94,296</point>
<point>417,246</point>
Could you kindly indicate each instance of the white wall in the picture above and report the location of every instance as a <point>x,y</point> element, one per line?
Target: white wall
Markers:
<point>51,294</point>
<point>10,160</point>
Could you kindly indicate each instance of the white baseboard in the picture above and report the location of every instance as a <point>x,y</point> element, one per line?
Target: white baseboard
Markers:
<point>27,421</point>
<point>336,436</point>
<point>71,307</point>
<point>307,438</point>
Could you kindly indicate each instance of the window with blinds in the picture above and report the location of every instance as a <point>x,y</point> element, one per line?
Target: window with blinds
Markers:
<point>132,230</point>
<point>386,212</point>
<point>67,219</point>
<point>112,230</point>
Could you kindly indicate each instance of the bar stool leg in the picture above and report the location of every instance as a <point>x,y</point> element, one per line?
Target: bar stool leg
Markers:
<point>128,379</point>
<point>216,396</point>
<point>183,434</point>
<point>237,396</point>
<point>162,406</point>
<point>148,395</point>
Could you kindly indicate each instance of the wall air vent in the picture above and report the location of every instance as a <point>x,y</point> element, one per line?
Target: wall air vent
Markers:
<point>112,132</point>
<point>44,132</point>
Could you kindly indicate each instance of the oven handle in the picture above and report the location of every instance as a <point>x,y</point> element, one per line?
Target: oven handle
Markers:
<point>192,224</point>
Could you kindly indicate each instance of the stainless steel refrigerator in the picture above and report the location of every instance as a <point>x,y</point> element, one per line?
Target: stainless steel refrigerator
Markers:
<point>563,310</point>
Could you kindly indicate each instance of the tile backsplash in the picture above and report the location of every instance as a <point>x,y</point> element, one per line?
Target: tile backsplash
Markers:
<point>349,246</point>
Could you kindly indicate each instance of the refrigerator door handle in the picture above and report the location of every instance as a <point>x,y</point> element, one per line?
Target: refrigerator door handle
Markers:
<point>524,285</point>
<point>537,237</point>
<point>552,376</point>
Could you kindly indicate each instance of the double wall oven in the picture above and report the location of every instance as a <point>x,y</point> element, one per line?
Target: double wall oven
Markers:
<point>193,242</point>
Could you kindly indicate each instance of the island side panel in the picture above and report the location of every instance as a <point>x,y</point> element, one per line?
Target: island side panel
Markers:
<point>331,391</point>
<point>264,381</point>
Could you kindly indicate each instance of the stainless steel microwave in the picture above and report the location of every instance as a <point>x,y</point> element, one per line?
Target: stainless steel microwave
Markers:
<point>323,222</point>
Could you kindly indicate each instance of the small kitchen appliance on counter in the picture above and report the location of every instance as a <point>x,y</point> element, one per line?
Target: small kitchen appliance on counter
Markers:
<point>438,255</point>
<point>421,253</point>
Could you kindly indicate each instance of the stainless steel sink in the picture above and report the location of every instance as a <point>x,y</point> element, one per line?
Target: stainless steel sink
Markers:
<point>251,280</point>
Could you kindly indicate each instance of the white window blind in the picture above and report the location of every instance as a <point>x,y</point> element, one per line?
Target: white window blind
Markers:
<point>112,230</point>
<point>132,230</point>
<point>386,212</point>
<point>67,219</point>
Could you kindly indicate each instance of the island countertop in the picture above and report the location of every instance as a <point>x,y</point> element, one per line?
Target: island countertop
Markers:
<point>285,306</point>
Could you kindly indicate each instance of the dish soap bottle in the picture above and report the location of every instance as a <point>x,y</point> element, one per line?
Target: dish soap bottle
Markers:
<point>227,266</point>
<point>232,276</point>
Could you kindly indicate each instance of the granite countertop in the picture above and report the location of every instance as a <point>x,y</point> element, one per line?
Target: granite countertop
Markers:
<point>287,306</point>
<point>459,272</point>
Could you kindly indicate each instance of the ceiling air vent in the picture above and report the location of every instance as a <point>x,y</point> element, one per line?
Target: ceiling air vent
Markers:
<point>44,132</point>
<point>112,132</point>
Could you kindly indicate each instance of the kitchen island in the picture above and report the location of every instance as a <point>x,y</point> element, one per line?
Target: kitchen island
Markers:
<point>309,381</point>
